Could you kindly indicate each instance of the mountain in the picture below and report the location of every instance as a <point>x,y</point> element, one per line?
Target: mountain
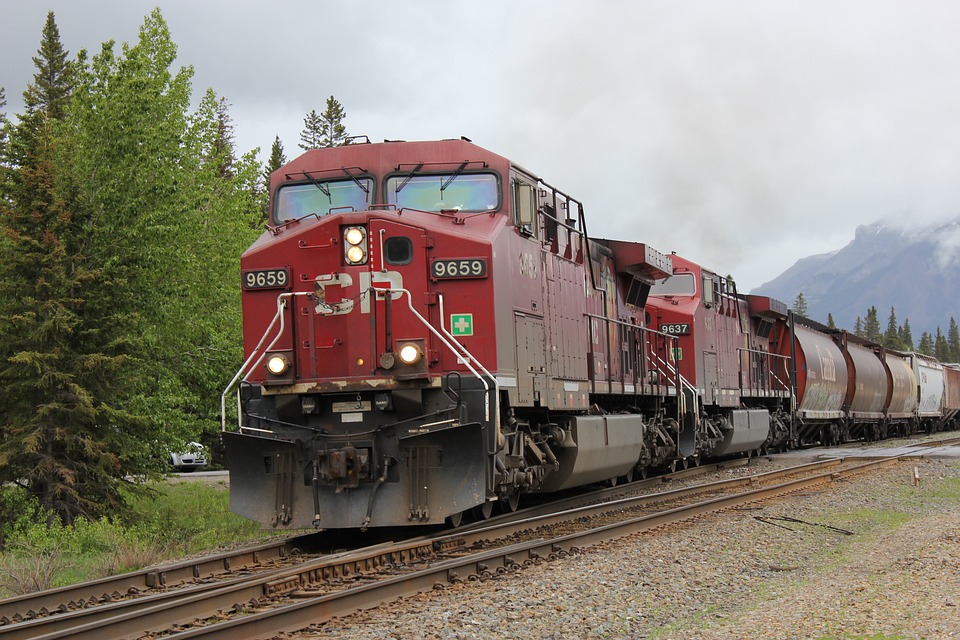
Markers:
<point>915,272</point>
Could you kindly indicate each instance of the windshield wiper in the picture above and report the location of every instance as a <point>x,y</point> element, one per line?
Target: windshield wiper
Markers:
<point>362,186</point>
<point>409,177</point>
<point>452,177</point>
<point>319,185</point>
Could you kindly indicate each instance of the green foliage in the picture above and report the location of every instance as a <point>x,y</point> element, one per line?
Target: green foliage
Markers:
<point>326,129</point>
<point>38,551</point>
<point>906,335</point>
<point>277,159</point>
<point>334,133</point>
<point>312,135</point>
<point>871,326</point>
<point>123,221</point>
<point>800,305</point>
<point>891,337</point>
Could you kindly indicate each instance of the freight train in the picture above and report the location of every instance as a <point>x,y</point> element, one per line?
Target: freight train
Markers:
<point>430,331</point>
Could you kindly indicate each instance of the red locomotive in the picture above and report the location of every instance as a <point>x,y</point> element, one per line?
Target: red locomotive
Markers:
<point>430,331</point>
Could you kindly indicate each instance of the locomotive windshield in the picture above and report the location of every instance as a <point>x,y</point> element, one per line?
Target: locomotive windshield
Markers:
<point>445,192</point>
<point>680,284</point>
<point>298,200</point>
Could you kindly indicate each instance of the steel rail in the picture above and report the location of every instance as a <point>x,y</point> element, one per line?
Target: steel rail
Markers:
<point>323,608</point>
<point>63,599</point>
<point>161,612</point>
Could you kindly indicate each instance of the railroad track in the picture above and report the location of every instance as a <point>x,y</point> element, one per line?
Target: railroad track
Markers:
<point>315,590</point>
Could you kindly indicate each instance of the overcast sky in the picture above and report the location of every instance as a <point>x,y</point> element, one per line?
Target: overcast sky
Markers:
<point>742,134</point>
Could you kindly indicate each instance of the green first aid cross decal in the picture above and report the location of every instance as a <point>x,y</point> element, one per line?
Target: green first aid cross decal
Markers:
<point>461,324</point>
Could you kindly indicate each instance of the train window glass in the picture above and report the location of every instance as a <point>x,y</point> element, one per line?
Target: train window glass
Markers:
<point>523,204</point>
<point>299,200</point>
<point>679,284</point>
<point>398,250</point>
<point>708,291</point>
<point>445,192</point>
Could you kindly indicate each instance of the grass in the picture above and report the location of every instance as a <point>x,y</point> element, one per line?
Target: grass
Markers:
<point>177,521</point>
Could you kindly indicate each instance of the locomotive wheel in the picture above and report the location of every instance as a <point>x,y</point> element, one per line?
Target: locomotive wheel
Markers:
<point>455,519</point>
<point>511,503</point>
<point>483,511</point>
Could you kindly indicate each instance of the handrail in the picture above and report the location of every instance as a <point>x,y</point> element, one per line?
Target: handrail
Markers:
<point>246,367</point>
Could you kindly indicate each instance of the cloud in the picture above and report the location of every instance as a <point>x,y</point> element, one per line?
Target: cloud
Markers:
<point>744,134</point>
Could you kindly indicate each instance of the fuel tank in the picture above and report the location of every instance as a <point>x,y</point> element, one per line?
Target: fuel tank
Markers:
<point>821,375</point>
<point>867,384</point>
<point>903,393</point>
<point>602,447</point>
<point>747,430</point>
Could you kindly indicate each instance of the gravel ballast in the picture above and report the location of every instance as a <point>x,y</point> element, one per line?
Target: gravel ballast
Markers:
<point>876,556</point>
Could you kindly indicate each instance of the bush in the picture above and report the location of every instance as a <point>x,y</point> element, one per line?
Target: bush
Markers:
<point>38,552</point>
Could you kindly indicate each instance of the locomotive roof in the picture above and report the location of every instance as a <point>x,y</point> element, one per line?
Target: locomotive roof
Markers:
<point>385,157</point>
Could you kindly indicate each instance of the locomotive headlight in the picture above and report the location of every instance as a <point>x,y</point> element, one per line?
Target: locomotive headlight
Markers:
<point>355,245</point>
<point>410,354</point>
<point>277,365</point>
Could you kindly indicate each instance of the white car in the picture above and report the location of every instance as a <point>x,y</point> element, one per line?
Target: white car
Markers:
<point>193,458</point>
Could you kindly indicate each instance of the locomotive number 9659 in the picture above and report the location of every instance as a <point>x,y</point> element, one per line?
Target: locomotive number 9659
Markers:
<point>266,279</point>
<point>461,268</point>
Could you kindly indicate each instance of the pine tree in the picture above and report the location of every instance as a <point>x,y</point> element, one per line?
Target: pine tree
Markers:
<point>277,159</point>
<point>941,350</point>
<point>830,322</point>
<point>871,326</point>
<point>891,338</point>
<point>4,124</point>
<point>953,341</point>
<point>312,135</point>
<point>800,305</point>
<point>62,360</point>
<point>222,151</point>
<point>906,335</point>
<point>858,327</point>
<point>334,133</point>
<point>926,346</point>
<point>47,97</point>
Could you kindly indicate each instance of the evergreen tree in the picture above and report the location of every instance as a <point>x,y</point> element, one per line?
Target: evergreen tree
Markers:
<point>4,125</point>
<point>222,151</point>
<point>891,337</point>
<point>858,327</point>
<point>926,346</point>
<point>953,341</point>
<point>277,159</point>
<point>830,321</point>
<point>49,93</point>
<point>334,132</point>
<point>63,361</point>
<point>312,135</point>
<point>941,350</point>
<point>906,335</point>
<point>871,326</point>
<point>800,305</point>
<point>46,98</point>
